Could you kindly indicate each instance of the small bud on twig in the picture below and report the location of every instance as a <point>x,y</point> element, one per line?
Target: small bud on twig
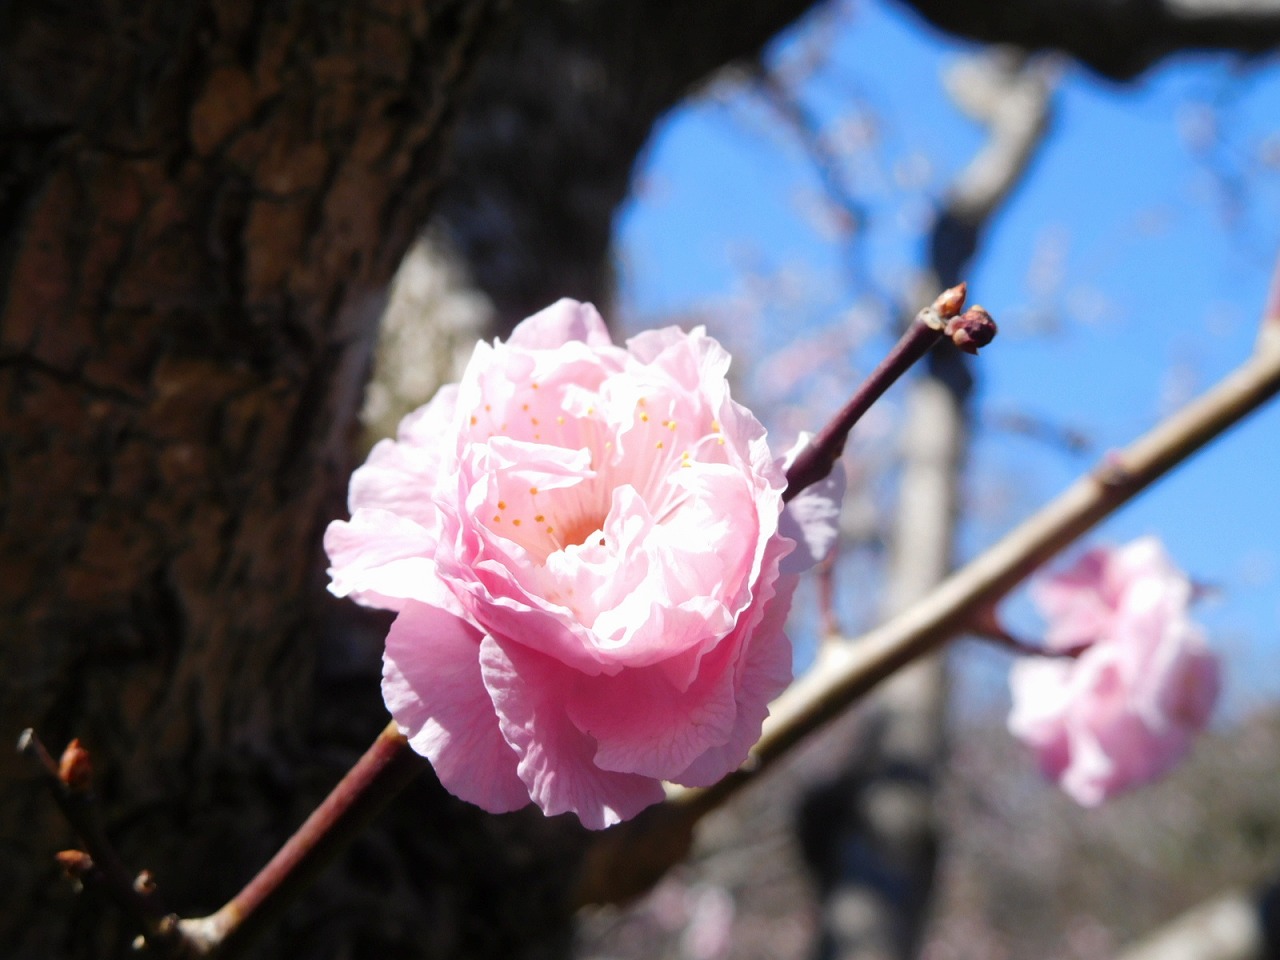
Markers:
<point>972,330</point>
<point>76,864</point>
<point>947,305</point>
<point>74,769</point>
<point>145,883</point>
<point>951,302</point>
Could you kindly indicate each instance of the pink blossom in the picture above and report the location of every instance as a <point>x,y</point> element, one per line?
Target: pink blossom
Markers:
<point>1126,710</point>
<point>587,551</point>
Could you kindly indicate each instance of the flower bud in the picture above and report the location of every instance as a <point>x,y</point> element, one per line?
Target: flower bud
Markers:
<point>74,769</point>
<point>76,864</point>
<point>972,330</point>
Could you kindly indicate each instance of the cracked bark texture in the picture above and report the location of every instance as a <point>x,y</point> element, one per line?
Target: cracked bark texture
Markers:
<point>200,206</point>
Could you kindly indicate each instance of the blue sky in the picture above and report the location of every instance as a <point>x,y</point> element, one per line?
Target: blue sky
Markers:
<point>1127,273</point>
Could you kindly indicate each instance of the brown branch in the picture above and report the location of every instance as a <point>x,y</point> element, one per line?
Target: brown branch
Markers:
<point>70,783</point>
<point>1118,38</point>
<point>381,773</point>
<point>941,319</point>
<point>1238,925</point>
<point>615,870</point>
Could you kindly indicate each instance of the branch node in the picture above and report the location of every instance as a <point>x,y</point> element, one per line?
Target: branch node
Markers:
<point>947,305</point>
<point>1112,473</point>
<point>29,746</point>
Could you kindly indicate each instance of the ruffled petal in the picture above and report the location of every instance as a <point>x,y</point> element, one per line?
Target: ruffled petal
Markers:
<point>760,675</point>
<point>432,684</point>
<point>556,763</point>
<point>643,723</point>
<point>380,559</point>
<point>812,517</point>
<point>564,321</point>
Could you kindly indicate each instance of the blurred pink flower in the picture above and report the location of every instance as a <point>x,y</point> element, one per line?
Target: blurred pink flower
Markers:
<point>586,547</point>
<point>1125,711</point>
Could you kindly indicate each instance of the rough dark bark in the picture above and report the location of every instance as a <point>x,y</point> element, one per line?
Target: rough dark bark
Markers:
<point>1118,38</point>
<point>200,206</point>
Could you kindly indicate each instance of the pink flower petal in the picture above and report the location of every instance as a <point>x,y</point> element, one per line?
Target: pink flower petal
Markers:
<point>761,675</point>
<point>432,685</point>
<point>564,321</point>
<point>583,543</point>
<point>645,724</point>
<point>556,763</point>
<point>812,518</point>
<point>1127,709</point>
<point>380,559</point>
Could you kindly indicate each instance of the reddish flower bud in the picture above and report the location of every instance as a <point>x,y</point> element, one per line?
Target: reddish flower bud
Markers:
<point>75,863</point>
<point>74,769</point>
<point>145,883</point>
<point>971,330</point>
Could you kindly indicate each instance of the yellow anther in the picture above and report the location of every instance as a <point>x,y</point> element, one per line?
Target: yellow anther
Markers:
<point>502,504</point>
<point>539,518</point>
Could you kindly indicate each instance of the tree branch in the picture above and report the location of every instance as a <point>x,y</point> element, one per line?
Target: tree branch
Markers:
<point>631,857</point>
<point>1118,38</point>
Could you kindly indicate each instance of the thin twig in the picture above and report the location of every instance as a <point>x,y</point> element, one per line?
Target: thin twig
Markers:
<point>70,784</point>
<point>381,773</point>
<point>930,325</point>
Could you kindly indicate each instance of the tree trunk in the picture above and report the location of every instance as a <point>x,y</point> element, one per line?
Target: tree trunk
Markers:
<point>200,207</point>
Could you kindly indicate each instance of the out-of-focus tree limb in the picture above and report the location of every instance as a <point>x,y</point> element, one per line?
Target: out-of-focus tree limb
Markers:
<point>1117,38</point>
<point>870,833</point>
<point>544,150</point>
<point>1240,925</point>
